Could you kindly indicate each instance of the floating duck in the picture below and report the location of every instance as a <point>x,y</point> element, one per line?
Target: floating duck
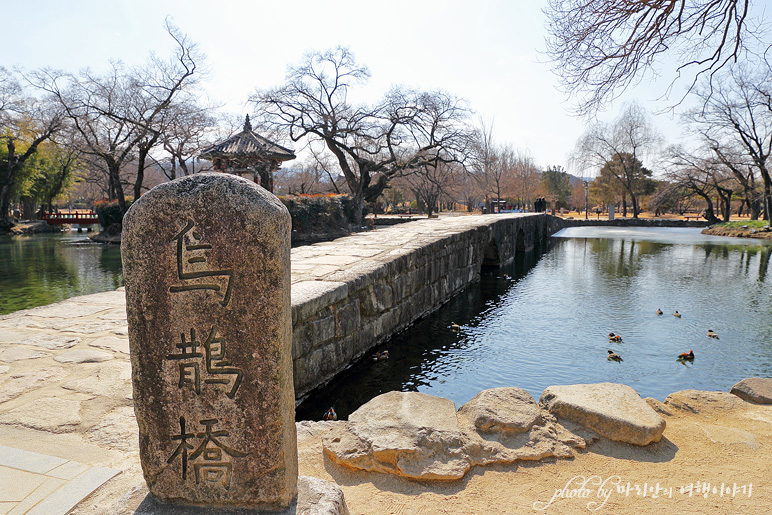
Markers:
<point>330,414</point>
<point>614,337</point>
<point>684,356</point>
<point>659,311</point>
<point>455,327</point>
<point>613,356</point>
<point>677,314</point>
<point>381,356</point>
<point>711,334</point>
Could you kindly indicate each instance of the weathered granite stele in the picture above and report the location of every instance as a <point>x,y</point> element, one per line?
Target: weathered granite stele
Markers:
<point>206,263</point>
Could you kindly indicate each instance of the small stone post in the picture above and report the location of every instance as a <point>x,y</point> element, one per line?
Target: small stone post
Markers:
<point>206,264</point>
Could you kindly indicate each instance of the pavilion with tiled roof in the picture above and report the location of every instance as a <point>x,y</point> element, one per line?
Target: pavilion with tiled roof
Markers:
<point>249,155</point>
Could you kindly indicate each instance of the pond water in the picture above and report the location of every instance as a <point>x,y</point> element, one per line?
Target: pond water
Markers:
<point>545,320</point>
<point>44,268</point>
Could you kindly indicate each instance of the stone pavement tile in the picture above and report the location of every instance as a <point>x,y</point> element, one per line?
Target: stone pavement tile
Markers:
<point>20,383</point>
<point>65,498</point>
<point>15,484</point>
<point>12,354</point>
<point>14,335</point>
<point>48,487</point>
<point>48,414</point>
<point>112,343</point>
<point>117,314</point>
<point>83,356</point>
<point>4,369</point>
<point>68,470</point>
<point>28,461</point>
<point>68,309</point>
<point>5,507</point>
<point>91,327</point>
<point>106,298</point>
<point>50,342</point>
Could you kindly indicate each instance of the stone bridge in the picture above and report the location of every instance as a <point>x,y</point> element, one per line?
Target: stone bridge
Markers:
<point>353,293</point>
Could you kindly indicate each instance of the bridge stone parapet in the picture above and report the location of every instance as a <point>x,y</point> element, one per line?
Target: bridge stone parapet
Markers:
<point>353,293</point>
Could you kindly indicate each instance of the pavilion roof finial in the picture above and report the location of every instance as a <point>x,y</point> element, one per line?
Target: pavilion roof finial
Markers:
<point>247,125</point>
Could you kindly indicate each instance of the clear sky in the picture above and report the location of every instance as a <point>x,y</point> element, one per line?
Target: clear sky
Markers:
<point>486,51</point>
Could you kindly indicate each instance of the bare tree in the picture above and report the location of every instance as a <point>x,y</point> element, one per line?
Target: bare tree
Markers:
<point>489,163</point>
<point>526,179</point>
<point>433,184</point>
<point>732,158</point>
<point>627,141</point>
<point>26,122</point>
<point>120,116</point>
<point>600,47</point>
<point>700,175</point>
<point>738,110</point>
<point>371,144</point>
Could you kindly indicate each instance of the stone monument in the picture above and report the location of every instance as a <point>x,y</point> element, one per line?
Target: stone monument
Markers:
<point>206,264</point>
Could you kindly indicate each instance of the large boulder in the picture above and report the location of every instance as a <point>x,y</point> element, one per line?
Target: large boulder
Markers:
<point>698,401</point>
<point>614,411</point>
<point>409,434</point>
<point>419,436</point>
<point>754,389</point>
<point>501,410</point>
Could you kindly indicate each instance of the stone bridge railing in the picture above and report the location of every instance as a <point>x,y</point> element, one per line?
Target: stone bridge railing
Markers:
<point>353,293</point>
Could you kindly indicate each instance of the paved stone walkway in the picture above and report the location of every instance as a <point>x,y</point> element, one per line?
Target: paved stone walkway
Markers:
<point>37,484</point>
<point>65,380</point>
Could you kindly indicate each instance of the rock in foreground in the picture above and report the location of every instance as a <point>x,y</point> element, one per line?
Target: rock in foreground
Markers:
<point>419,436</point>
<point>614,411</point>
<point>502,410</point>
<point>754,389</point>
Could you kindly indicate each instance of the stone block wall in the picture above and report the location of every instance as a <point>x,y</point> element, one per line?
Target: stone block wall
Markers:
<point>353,293</point>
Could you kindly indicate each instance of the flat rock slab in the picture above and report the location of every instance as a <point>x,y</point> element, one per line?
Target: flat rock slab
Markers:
<point>112,343</point>
<point>502,410</point>
<point>51,342</point>
<point>20,383</point>
<point>12,354</point>
<point>315,497</point>
<point>83,356</point>
<point>697,401</point>
<point>47,414</point>
<point>754,389</point>
<point>614,411</point>
<point>409,434</point>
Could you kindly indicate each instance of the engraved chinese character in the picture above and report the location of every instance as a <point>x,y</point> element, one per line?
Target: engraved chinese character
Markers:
<point>192,268</point>
<point>183,448</point>
<point>211,459</point>
<point>218,369</point>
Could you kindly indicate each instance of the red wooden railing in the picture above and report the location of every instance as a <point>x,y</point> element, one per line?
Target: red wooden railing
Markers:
<point>82,216</point>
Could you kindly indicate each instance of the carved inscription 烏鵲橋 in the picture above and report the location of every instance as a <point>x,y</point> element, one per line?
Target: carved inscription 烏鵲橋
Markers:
<point>211,459</point>
<point>212,352</point>
<point>193,269</point>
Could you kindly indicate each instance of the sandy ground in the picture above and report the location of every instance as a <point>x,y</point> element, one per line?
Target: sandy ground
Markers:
<point>714,447</point>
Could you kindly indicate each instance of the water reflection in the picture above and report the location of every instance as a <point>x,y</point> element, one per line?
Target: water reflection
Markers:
<point>545,321</point>
<point>45,268</point>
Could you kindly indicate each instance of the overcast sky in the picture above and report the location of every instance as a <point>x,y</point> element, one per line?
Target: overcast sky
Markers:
<point>486,51</point>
